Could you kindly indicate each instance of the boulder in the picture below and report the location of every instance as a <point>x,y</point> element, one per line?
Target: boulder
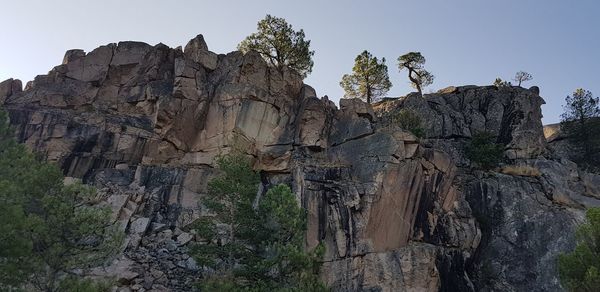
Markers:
<point>197,50</point>
<point>71,55</point>
<point>9,87</point>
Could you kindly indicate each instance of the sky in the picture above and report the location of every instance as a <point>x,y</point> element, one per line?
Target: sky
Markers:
<point>465,42</point>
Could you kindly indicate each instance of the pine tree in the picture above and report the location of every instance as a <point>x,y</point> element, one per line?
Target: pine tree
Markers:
<point>280,45</point>
<point>15,246</point>
<point>48,229</point>
<point>579,270</point>
<point>232,228</point>
<point>413,62</point>
<point>253,243</point>
<point>581,123</point>
<point>369,79</point>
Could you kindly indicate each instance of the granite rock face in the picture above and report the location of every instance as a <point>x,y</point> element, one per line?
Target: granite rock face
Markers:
<point>396,213</point>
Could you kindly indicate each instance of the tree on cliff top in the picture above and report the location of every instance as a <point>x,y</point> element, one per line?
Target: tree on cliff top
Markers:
<point>47,229</point>
<point>521,77</point>
<point>581,123</point>
<point>253,242</point>
<point>418,76</point>
<point>579,270</point>
<point>280,45</point>
<point>369,79</point>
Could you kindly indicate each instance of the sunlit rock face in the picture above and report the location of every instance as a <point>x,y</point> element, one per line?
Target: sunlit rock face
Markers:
<point>396,213</point>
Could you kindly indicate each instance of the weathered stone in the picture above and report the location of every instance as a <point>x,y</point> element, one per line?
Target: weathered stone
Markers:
<point>71,55</point>
<point>92,67</point>
<point>139,225</point>
<point>184,238</point>
<point>9,87</point>
<point>396,213</point>
<point>197,50</point>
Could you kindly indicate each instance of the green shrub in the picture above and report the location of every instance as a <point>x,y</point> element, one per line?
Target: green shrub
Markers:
<point>47,229</point>
<point>579,270</point>
<point>501,83</point>
<point>262,246</point>
<point>77,284</point>
<point>407,119</point>
<point>483,151</point>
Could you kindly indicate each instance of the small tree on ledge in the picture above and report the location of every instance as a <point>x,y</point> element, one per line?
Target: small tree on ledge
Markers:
<point>521,77</point>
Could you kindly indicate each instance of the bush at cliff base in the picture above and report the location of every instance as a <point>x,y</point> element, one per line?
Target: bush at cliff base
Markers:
<point>254,242</point>
<point>47,229</point>
<point>579,270</point>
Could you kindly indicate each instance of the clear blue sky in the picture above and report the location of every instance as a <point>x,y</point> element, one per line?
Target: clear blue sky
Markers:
<point>464,41</point>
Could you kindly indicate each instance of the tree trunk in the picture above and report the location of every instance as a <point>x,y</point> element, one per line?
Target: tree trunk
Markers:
<point>414,81</point>
<point>51,281</point>
<point>368,87</point>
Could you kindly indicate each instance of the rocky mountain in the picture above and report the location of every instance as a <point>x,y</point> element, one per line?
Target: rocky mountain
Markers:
<point>144,124</point>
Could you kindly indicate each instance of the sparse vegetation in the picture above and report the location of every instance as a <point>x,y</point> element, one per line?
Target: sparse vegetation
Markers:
<point>579,270</point>
<point>484,152</point>
<point>77,284</point>
<point>369,79</point>
<point>280,45</point>
<point>407,119</point>
<point>413,62</point>
<point>501,83</point>
<point>521,170</point>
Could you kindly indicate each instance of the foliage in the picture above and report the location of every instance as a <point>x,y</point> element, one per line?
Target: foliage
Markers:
<point>254,243</point>
<point>280,45</point>
<point>407,119</point>
<point>284,224</point>
<point>581,123</point>
<point>76,284</point>
<point>418,76</point>
<point>501,83</point>
<point>230,200</point>
<point>369,79</point>
<point>48,229</point>
<point>71,233</point>
<point>579,269</point>
<point>15,248</point>
<point>483,151</point>
<point>521,77</point>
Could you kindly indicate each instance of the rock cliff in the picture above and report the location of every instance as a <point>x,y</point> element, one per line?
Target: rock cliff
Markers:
<point>144,123</point>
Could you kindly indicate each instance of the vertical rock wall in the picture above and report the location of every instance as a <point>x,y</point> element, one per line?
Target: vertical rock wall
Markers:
<point>396,213</point>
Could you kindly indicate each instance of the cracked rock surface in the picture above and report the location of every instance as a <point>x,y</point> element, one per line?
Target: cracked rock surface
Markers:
<point>396,213</point>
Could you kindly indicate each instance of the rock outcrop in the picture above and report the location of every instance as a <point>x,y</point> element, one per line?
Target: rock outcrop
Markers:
<point>396,213</point>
